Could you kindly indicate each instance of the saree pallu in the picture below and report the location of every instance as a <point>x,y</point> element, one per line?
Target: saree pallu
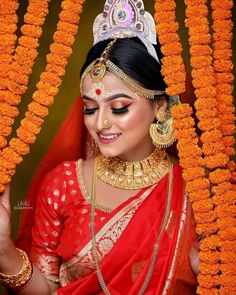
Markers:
<point>125,244</point>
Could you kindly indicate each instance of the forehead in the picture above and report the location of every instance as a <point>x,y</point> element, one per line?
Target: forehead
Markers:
<point>109,81</point>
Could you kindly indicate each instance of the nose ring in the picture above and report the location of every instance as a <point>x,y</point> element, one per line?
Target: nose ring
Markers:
<point>106,124</point>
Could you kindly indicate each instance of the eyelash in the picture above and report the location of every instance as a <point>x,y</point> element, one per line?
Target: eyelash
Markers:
<point>114,110</point>
<point>120,110</point>
<point>89,111</point>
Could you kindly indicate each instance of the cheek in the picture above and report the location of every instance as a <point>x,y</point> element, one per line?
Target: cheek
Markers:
<point>89,122</point>
<point>136,119</point>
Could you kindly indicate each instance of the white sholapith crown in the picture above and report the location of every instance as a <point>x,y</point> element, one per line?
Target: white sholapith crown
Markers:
<point>126,19</point>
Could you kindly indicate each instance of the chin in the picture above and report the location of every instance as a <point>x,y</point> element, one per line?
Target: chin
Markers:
<point>108,152</point>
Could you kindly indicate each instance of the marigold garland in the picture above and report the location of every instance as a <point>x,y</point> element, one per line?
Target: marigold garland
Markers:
<point>213,209</point>
<point>216,139</point>
<point>209,269</point>
<point>209,257</point>
<point>48,85</point>
<point>201,194</point>
<point>170,47</point>
<point>222,38</point>
<point>25,54</point>
<point>228,245</point>
<point>206,229</point>
<point>216,160</point>
<point>8,21</point>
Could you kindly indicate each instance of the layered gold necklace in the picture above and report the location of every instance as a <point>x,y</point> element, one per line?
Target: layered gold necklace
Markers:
<point>125,174</point>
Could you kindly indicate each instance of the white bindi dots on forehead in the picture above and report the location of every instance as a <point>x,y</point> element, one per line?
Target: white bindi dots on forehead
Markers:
<point>99,93</point>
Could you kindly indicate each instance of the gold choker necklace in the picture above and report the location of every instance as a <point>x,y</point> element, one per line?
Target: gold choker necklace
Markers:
<point>133,174</point>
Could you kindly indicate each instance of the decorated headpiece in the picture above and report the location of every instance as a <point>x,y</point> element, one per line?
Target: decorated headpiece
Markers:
<point>98,68</point>
<point>122,19</point>
<point>126,19</point>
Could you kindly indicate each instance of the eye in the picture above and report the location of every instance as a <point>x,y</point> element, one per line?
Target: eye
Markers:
<point>121,110</point>
<point>89,107</point>
<point>89,111</point>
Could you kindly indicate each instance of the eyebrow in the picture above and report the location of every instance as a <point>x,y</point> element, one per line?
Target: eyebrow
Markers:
<point>118,95</point>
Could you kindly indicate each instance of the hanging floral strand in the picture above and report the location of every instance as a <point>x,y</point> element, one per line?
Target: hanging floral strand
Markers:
<point>225,203</point>
<point>223,65</point>
<point>188,148</point>
<point>197,186</point>
<point>23,61</point>
<point>215,158</point>
<point>172,62</point>
<point>47,88</point>
<point>8,26</point>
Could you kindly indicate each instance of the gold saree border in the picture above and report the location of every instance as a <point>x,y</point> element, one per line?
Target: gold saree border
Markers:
<point>47,264</point>
<point>173,263</point>
<point>106,238</point>
<point>167,214</point>
<point>84,190</point>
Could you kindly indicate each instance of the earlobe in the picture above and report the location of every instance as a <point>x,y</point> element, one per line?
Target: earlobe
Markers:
<point>161,105</point>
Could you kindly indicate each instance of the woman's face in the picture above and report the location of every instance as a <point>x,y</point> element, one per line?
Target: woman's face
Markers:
<point>129,115</point>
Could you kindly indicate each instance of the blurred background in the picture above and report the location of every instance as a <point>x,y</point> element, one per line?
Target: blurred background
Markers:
<point>69,89</point>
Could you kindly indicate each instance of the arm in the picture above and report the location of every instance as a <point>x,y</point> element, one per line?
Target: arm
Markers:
<point>11,261</point>
<point>194,258</point>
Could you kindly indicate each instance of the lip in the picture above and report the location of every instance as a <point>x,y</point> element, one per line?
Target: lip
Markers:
<point>107,138</point>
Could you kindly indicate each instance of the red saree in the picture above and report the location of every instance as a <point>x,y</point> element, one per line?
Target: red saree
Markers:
<point>125,237</point>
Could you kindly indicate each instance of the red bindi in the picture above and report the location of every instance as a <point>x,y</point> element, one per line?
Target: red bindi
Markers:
<point>98,91</point>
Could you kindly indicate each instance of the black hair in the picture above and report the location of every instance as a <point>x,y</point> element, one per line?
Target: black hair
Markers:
<point>132,57</point>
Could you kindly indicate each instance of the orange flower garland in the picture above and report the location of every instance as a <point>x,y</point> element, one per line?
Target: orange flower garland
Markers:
<point>25,54</point>
<point>197,183</point>
<point>167,26</point>
<point>222,38</point>
<point>226,209</point>
<point>48,85</point>
<point>216,141</point>
<point>214,209</point>
<point>192,162</point>
<point>213,146</point>
<point>8,26</point>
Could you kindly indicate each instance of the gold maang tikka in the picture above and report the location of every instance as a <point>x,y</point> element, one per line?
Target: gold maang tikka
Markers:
<point>99,68</point>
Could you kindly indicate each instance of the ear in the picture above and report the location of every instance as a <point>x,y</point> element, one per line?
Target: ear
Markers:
<point>161,104</point>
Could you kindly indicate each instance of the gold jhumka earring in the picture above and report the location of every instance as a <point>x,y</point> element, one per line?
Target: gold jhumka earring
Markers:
<point>162,132</point>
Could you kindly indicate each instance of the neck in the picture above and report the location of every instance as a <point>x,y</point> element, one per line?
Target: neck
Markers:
<point>138,153</point>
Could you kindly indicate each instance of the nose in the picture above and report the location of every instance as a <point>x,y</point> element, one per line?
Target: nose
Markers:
<point>103,121</point>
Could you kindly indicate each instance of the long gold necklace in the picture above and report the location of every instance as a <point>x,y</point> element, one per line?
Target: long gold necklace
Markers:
<point>124,174</point>
<point>155,246</point>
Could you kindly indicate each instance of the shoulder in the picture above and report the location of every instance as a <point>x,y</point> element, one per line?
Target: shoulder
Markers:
<point>63,169</point>
<point>59,176</point>
<point>60,185</point>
